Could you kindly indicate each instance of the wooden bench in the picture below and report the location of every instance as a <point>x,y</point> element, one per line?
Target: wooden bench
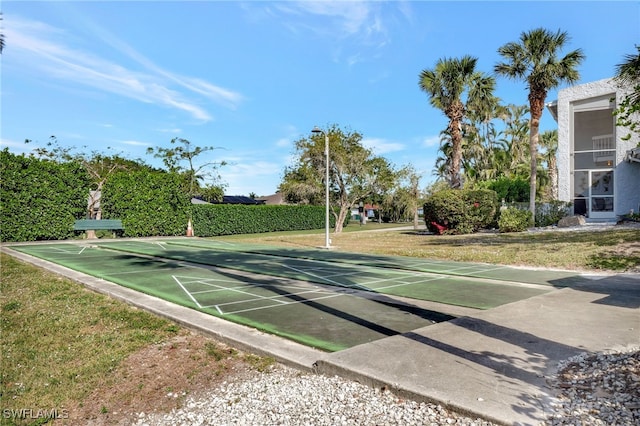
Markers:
<point>92,225</point>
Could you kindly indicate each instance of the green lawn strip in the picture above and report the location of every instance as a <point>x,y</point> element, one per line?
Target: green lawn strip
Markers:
<point>59,340</point>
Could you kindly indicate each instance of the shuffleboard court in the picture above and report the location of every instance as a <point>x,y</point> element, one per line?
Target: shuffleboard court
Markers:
<point>453,288</point>
<point>497,272</point>
<point>326,317</point>
<point>329,300</point>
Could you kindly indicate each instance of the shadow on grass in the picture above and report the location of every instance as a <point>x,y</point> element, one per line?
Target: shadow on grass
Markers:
<point>598,238</point>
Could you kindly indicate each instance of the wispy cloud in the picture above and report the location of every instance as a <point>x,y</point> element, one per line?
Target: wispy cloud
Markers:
<point>42,48</point>
<point>431,141</point>
<point>361,23</point>
<point>382,146</point>
<point>135,143</point>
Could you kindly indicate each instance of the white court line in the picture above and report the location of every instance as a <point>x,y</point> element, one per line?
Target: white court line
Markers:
<point>59,250</point>
<point>288,303</point>
<point>276,297</point>
<point>255,296</point>
<point>246,285</point>
<point>323,278</point>
<point>188,294</point>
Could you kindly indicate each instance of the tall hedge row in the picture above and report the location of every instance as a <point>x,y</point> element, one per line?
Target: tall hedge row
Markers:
<point>228,219</point>
<point>149,203</point>
<point>40,199</point>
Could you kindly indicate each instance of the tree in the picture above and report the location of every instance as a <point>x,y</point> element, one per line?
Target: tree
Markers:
<point>183,150</point>
<point>628,76</point>
<point>454,86</point>
<point>535,59</point>
<point>99,167</point>
<point>516,135</point>
<point>354,172</point>
<point>549,141</point>
<point>410,194</point>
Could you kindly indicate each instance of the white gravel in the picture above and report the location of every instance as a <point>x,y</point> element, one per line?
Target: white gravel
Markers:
<point>601,389</point>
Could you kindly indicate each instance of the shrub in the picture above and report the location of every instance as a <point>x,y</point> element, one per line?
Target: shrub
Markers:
<point>40,197</point>
<point>509,189</point>
<point>550,213</point>
<point>463,211</point>
<point>228,219</point>
<point>513,219</point>
<point>149,203</point>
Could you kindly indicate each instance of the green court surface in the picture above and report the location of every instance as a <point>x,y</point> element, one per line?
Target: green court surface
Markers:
<point>326,299</point>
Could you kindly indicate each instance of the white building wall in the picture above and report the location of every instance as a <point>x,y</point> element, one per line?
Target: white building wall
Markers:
<point>626,175</point>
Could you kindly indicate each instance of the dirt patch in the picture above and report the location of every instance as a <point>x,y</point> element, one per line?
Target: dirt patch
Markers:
<point>159,378</point>
<point>629,251</point>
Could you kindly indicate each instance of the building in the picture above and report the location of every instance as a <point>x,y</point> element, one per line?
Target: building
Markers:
<point>598,171</point>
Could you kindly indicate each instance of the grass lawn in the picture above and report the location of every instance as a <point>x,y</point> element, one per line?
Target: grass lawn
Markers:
<point>584,250</point>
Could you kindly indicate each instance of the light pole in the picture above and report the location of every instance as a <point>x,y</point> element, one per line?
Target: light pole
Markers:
<point>327,241</point>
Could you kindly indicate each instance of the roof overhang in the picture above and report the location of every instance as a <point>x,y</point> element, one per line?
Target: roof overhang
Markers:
<point>552,107</point>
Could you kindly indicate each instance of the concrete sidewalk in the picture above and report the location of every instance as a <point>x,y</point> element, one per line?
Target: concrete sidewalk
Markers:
<point>495,364</point>
<point>492,364</point>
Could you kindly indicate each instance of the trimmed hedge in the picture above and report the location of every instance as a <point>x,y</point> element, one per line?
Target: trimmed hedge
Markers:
<point>149,203</point>
<point>40,198</point>
<point>227,219</point>
<point>463,211</point>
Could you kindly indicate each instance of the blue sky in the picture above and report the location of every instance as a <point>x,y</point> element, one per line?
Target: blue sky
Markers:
<point>252,77</point>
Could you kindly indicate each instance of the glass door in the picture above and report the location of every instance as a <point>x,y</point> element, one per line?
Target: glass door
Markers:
<point>601,194</point>
<point>593,194</point>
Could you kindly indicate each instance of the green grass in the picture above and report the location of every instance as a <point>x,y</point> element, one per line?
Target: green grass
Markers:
<point>59,340</point>
<point>609,250</point>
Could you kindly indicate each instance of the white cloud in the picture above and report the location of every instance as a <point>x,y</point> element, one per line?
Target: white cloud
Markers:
<point>170,130</point>
<point>16,147</point>
<point>382,146</point>
<point>38,46</point>
<point>244,176</point>
<point>431,141</point>
<point>361,23</point>
<point>136,143</point>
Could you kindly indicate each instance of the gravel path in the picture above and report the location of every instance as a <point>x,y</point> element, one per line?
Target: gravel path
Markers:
<point>601,389</point>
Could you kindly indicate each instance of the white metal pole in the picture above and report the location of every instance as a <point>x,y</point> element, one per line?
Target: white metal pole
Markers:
<point>327,242</point>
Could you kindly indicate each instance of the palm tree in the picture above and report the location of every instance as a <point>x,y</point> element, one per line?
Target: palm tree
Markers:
<point>442,169</point>
<point>446,84</point>
<point>549,141</point>
<point>628,76</point>
<point>516,135</point>
<point>535,60</point>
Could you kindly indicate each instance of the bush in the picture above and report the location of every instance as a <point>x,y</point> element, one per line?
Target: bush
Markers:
<point>550,213</point>
<point>40,198</point>
<point>513,219</point>
<point>149,203</point>
<point>227,219</point>
<point>509,189</point>
<point>463,211</point>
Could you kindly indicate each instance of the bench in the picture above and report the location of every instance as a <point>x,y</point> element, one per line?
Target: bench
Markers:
<point>88,225</point>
